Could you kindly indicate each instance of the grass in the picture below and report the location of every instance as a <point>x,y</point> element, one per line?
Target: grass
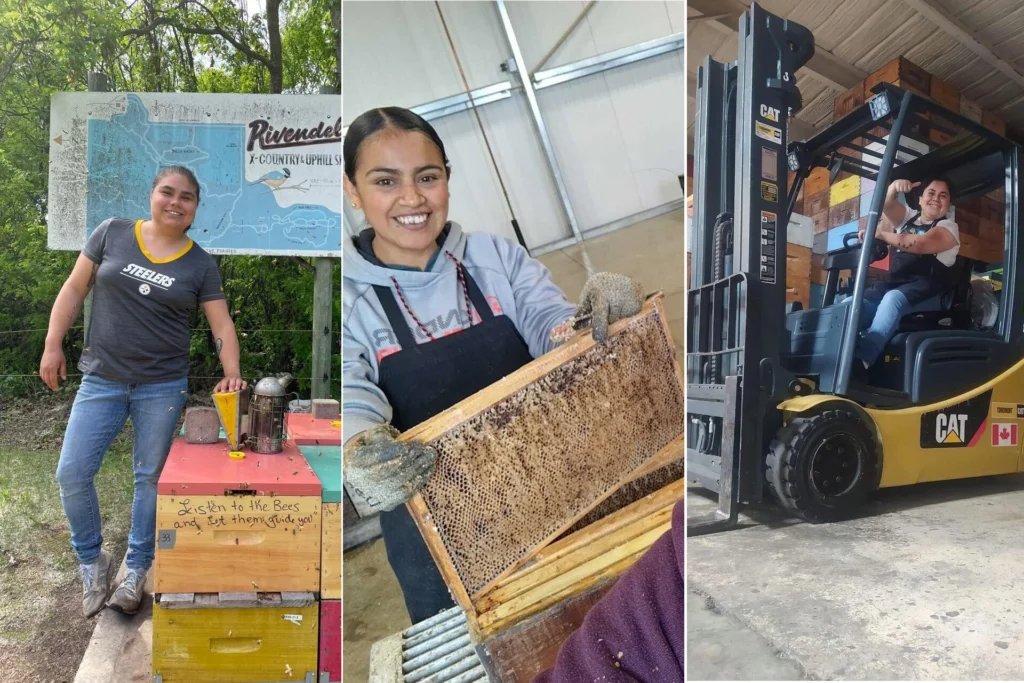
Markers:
<point>36,558</point>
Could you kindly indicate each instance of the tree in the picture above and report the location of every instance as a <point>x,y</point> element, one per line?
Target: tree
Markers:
<point>50,46</point>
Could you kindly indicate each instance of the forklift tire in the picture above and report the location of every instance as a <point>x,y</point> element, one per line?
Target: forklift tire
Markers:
<point>822,466</point>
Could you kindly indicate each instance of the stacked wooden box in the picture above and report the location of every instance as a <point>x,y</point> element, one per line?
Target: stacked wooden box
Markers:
<point>319,440</point>
<point>237,568</point>
<point>843,207</point>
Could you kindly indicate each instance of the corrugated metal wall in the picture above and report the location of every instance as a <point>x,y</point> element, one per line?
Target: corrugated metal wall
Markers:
<point>619,136</point>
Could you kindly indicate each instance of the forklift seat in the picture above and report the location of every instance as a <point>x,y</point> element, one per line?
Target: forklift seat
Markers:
<point>935,364</point>
<point>955,313</point>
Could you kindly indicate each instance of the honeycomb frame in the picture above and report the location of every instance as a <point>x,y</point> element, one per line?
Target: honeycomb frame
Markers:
<point>525,459</point>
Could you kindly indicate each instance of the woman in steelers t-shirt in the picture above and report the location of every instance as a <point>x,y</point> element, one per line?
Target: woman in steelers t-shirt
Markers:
<point>147,277</point>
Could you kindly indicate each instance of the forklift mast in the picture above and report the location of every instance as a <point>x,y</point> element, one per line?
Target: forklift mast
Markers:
<point>736,319</point>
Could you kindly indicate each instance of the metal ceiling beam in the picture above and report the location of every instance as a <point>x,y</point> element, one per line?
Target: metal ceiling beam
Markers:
<point>823,66</point>
<point>950,25</point>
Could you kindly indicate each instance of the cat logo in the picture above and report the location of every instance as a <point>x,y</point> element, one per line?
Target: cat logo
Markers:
<point>957,426</point>
<point>950,428</point>
<point>769,113</point>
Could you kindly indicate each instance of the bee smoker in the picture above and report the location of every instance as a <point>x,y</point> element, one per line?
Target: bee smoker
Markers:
<point>266,414</point>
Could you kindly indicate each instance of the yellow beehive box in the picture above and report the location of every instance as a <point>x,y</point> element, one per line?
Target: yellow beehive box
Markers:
<point>235,638</point>
<point>225,524</point>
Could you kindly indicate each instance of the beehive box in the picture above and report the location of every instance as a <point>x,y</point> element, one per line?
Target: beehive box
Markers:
<point>240,638</point>
<point>320,443</point>
<point>326,463</point>
<point>227,525</point>
<point>305,430</point>
<point>848,101</point>
<point>330,641</point>
<point>902,73</point>
<point>798,274</point>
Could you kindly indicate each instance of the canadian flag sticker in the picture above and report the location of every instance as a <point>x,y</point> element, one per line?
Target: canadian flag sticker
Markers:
<point>1004,434</point>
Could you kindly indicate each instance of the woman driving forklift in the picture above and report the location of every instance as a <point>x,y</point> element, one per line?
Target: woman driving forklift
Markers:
<point>923,246</point>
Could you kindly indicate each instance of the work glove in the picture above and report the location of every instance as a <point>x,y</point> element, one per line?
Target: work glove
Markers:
<point>384,471</point>
<point>608,297</point>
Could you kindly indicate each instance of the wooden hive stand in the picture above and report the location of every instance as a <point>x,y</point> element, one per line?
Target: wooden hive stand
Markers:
<point>552,482</point>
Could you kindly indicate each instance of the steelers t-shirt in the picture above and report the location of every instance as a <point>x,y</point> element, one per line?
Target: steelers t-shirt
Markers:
<point>139,331</point>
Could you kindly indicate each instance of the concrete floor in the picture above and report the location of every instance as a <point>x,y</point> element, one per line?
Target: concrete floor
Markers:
<point>720,648</point>
<point>924,586</point>
<point>374,608</point>
<point>651,252</point>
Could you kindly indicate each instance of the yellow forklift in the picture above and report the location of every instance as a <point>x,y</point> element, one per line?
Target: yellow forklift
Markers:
<point>775,409</point>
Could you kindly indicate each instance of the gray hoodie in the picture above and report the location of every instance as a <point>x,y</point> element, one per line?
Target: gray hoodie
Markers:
<point>515,285</point>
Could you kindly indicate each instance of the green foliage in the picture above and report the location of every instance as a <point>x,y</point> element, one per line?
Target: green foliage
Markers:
<point>49,46</point>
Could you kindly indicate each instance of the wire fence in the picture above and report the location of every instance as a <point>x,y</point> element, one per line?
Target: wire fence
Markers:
<point>15,381</point>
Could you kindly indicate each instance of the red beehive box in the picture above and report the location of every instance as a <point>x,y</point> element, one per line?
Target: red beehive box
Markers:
<point>237,525</point>
<point>330,640</point>
<point>305,430</point>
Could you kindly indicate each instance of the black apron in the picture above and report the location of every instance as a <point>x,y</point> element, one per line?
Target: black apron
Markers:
<point>919,276</point>
<point>420,381</point>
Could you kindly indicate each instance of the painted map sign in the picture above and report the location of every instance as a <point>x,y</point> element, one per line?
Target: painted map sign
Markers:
<point>269,166</point>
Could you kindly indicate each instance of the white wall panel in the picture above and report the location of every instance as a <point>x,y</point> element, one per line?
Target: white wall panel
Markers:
<point>618,136</point>
<point>648,100</point>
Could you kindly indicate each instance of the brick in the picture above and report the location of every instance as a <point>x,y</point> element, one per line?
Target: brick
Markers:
<point>202,425</point>
<point>325,409</point>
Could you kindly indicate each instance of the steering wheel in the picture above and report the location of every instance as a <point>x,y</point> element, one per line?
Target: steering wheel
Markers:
<point>879,250</point>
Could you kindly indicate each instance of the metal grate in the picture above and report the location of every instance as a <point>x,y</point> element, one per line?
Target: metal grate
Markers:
<point>438,651</point>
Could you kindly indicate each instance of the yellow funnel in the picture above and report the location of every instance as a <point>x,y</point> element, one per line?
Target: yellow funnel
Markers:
<point>231,407</point>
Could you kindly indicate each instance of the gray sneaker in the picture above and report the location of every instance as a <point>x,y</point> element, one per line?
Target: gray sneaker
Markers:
<point>128,596</point>
<point>96,580</point>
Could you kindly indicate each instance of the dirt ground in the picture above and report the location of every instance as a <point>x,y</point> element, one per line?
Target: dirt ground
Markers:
<point>43,635</point>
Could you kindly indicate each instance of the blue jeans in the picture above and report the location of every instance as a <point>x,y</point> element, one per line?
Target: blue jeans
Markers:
<point>101,408</point>
<point>880,317</point>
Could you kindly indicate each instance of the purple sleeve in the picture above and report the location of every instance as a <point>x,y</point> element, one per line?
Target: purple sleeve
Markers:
<point>636,632</point>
